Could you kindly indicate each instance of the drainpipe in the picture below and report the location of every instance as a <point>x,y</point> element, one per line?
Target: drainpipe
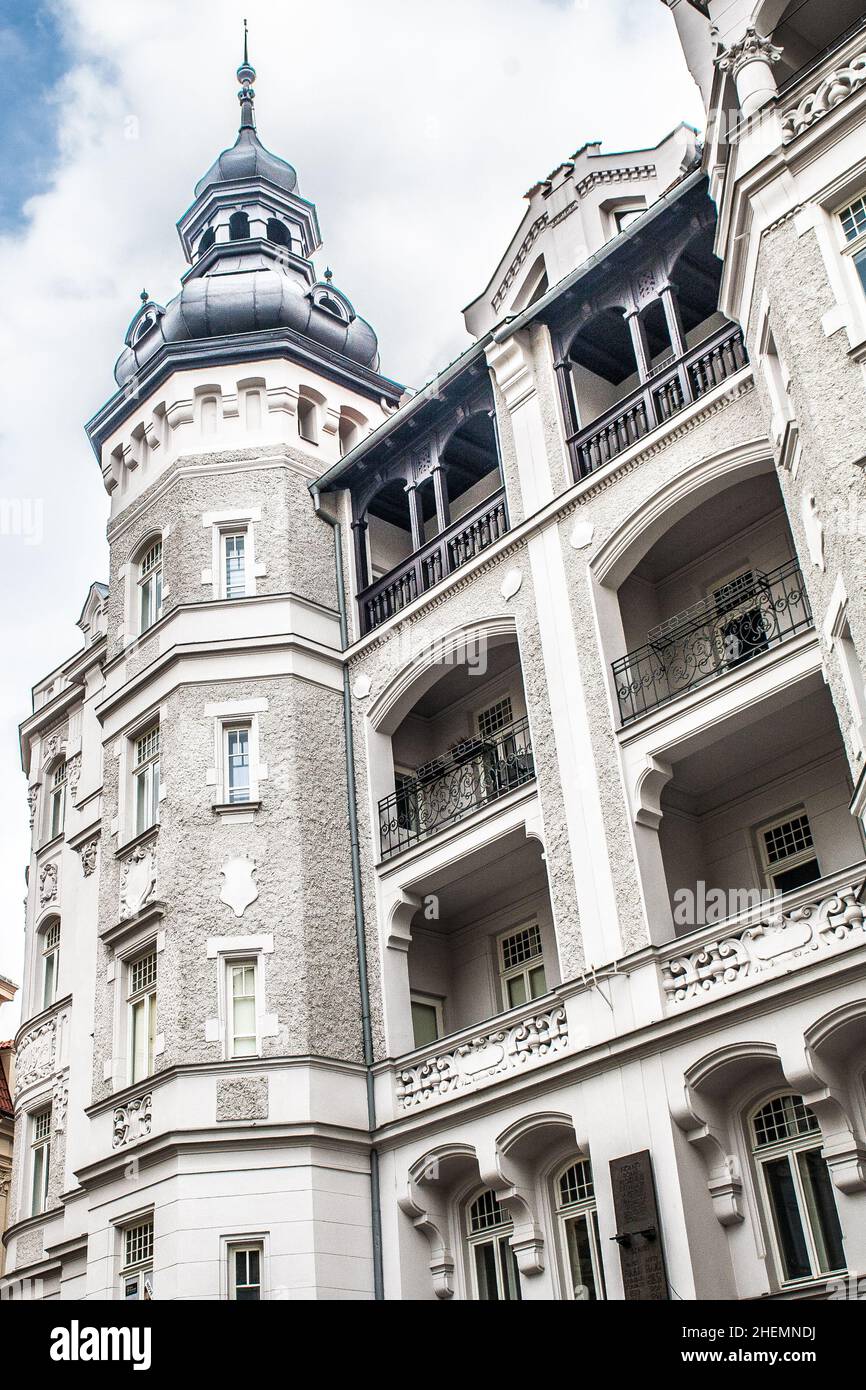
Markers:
<point>360,925</point>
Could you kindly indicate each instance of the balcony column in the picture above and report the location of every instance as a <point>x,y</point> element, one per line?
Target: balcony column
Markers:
<point>440,490</point>
<point>676,332</point>
<point>642,358</point>
<point>359,536</point>
<point>416,519</point>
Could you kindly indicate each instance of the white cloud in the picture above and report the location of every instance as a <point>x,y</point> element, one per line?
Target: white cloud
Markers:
<point>416,129</point>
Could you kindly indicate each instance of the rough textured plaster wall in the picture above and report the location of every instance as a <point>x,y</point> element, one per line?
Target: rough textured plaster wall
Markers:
<point>827,397</point>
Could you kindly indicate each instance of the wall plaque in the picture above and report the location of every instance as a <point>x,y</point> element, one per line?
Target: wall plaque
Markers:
<point>638,1231</point>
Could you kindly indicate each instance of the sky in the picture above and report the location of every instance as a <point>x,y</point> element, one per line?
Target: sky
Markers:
<point>416,128</point>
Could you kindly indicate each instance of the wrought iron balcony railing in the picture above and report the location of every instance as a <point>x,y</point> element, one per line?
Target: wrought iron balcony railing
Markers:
<point>459,543</point>
<point>713,637</point>
<point>473,773</point>
<point>671,387</point>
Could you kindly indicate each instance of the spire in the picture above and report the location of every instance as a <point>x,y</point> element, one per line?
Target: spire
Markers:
<point>246,76</point>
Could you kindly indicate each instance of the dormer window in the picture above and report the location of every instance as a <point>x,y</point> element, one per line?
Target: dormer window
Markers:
<point>144,327</point>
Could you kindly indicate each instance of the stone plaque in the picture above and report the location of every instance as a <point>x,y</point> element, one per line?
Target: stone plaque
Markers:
<point>638,1232</point>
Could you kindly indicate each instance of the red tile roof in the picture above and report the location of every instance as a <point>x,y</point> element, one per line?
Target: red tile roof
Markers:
<point>5,1098</point>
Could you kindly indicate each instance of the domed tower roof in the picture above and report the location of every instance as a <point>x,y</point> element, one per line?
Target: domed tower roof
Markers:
<point>249,236</point>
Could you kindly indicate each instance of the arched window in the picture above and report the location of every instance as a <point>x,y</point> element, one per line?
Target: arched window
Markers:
<point>577,1224</point>
<point>351,429</point>
<point>309,404</point>
<point>495,1276</point>
<point>278,232</point>
<point>57,800</point>
<point>150,586</point>
<point>207,241</point>
<point>796,1189</point>
<point>50,961</point>
<point>239,226</point>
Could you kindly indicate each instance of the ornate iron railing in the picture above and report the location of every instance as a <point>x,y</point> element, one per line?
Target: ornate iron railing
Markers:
<point>473,773</point>
<point>669,389</point>
<point>459,543</point>
<point>711,638</point>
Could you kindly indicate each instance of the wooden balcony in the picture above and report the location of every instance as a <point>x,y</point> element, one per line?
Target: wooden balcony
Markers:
<point>667,391</point>
<point>441,556</point>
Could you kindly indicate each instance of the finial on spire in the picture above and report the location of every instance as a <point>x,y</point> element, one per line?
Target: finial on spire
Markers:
<point>246,76</point>
<point>144,296</point>
<point>329,274</point>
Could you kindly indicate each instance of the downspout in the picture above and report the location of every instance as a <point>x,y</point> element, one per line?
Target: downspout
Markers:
<point>360,924</point>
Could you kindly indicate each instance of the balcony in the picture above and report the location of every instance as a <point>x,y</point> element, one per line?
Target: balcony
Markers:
<point>670,387</point>
<point>427,566</point>
<point>475,772</point>
<point>744,619</point>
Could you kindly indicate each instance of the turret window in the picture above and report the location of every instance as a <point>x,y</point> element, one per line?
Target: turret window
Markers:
<point>40,1160</point>
<point>146,779</point>
<point>150,586</point>
<point>141,1006</point>
<point>278,232</point>
<point>234,563</point>
<point>239,226</point>
<point>57,800</point>
<point>50,963</point>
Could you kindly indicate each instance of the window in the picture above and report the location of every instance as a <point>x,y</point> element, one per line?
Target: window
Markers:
<point>150,587</point>
<point>495,1276</point>
<point>141,1007</point>
<point>239,226</point>
<point>57,800</point>
<point>145,777</point>
<point>426,1019</point>
<point>136,1275</point>
<point>495,717</point>
<point>243,1029</point>
<point>577,1220</point>
<point>245,1272</point>
<point>853,220</point>
<point>233,545</point>
<point>207,241</point>
<point>50,963</point>
<point>308,419</point>
<point>237,758</point>
<point>521,966</point>
<point>623,217</point>
<point>40,1159</point>
<point>788,853</point>
<point>796,1187</point>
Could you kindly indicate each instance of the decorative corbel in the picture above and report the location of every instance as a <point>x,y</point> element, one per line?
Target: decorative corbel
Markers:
<point>651,782</point>
<point>433,1225</point>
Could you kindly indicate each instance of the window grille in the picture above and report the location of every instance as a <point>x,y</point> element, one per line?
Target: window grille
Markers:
<point>152,558</point>
<point>853,218</point>
<point>784,1117</point>
<point>495,717</point>
<point>41,1126</point>
<point>521,946</point>
<point>147,745</point>
<point>52,937</point>
<point>576,1184</point>
<point>788,838</point>
<point>138,1244</point>
<point>487,1213</point>
<point>142,973</point>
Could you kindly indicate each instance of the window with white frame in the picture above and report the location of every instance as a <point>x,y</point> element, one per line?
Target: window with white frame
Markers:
<point>40,1159</point>
<point>788,852</point>
<point>233,562</point>
<point>150,586</point>
<point>242,1009</point>
<point>245,1272</point>
<point>141,1013</point>
<point>145,779</point>
<point>796,1189</point>
<point>236,760</point>
<point>853,223</point>
<point>50,962</point>
<point>57,800</point>
<point>496,717</point>
<point>136,1273</point>
<point>521,965</point>
<point>494,1275</point>
<point>426,1018</point>
<point>577,1223</point>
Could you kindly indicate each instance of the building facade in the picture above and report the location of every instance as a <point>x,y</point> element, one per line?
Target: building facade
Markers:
<point>448,842</point>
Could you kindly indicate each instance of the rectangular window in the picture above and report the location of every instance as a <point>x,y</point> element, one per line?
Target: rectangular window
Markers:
<point>58,800</point>
<point>495,717</point>
<point>245,1272</point>
<point>141,1006</point>
<point>243,1030</point>
<point>150,587</point>
<point>234,544</point>
<point>136,1275</point>
<point>521,966</point>
<point>788,853</point>
<point>426,1019</point>
<point>146,779</point>
<point>50,963</point>
<point>853,220</point>
<point>40,1159</point>
<point>237,762</point>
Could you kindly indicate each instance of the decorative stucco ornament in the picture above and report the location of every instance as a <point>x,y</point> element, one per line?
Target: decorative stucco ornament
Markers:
<point>511,584</point>
<point>362,687</point>
<point>581,534</point>
<point>137,880</point>
<point>814,528</point>
<point>239,889</point>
